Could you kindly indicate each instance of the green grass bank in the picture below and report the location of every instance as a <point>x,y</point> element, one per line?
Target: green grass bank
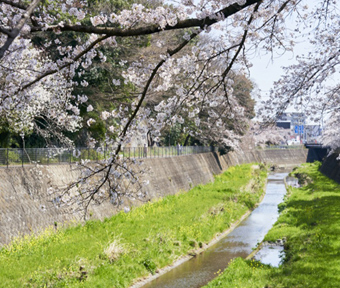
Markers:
<point>310,220</point>
<point>116,251</point>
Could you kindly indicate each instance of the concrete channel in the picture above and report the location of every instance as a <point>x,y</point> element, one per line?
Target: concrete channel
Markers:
<point>201,269</point>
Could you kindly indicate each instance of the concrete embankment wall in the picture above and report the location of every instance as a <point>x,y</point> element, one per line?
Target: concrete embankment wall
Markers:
<point>26,207</point>
<point>331,167</point>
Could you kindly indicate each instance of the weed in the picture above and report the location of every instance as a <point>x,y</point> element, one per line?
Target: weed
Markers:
<point>149,265</point>
<point>114,250</point>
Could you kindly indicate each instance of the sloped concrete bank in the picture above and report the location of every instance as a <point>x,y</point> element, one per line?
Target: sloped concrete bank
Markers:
<point>26,207</point>
<point>331,166</point>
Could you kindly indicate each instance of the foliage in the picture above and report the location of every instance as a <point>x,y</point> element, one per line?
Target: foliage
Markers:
<point>187,79</point>
<point>242,89</point>
<point>147,238</point>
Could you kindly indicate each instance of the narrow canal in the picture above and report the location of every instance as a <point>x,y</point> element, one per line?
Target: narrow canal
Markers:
<point>201,269</point>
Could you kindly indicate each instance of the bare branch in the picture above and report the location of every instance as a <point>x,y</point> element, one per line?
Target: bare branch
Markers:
<point>242,42</point>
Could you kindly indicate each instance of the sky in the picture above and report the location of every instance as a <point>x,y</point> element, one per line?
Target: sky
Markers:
<point>266,71</point>
<point>267,68</point>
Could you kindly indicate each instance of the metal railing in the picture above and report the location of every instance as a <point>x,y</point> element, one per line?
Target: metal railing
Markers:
<point>281,147</point>
<point>46,156</point>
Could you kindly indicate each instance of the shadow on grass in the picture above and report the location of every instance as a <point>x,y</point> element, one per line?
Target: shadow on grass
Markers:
<point>316,211</point>
<point>312,257</point>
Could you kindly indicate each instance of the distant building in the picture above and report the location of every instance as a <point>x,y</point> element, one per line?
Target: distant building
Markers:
<point>284,121</point>
<point>312,133</point>
<point>296,122</point>
<point>283,124</point>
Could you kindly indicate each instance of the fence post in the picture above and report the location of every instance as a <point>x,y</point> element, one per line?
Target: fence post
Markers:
<point>7,158</point>
<point>22,157</point>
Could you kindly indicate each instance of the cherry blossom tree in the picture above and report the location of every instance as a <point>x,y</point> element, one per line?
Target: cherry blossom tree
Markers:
<point>312,84</point>
<point>268,135</point>
<point>205,96</point>
<point>44,106</point>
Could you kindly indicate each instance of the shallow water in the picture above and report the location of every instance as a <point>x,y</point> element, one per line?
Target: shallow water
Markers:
<point>201,269</point>
<point>270,255</point>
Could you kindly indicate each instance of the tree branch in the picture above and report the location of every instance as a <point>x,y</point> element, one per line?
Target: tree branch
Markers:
<point>113,162</point>
<point>13,4</point>
<point>5,31</point>
<point>65,65</point>
<point>16,30</point>
<point>243,40</point>
<point>188,23</point>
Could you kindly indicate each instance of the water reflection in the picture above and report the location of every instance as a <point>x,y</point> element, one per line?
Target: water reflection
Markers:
<point>292,181</point>
<point>239,243</point>
<point>270,255</point>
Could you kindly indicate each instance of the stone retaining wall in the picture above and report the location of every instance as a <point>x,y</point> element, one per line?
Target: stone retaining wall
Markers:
<point>25,205</point>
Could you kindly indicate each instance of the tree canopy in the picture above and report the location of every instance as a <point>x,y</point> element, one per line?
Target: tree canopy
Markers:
<point>51,50</point>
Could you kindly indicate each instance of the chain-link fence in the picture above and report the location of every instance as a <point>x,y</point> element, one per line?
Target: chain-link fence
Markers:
<point>46,156</point>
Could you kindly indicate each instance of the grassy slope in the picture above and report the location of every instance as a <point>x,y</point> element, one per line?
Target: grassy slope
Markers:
<point>311,222</point>
<point>145,239</point>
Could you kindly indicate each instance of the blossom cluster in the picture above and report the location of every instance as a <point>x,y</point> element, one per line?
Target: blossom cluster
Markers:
<point>195,77</point>
<point>49,102</point>
<point>310,85</point>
